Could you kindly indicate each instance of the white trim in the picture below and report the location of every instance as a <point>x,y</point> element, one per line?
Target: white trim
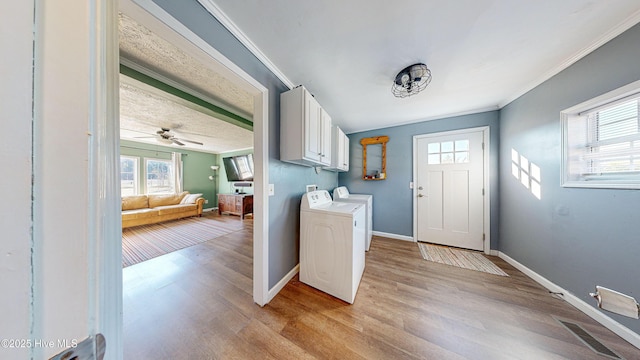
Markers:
<point>105,220</point>
<point>486,171</point>
<point>210,209</point>
<point>619,329</point>
<point>629,22</point>
<point>261,199</point>
<point>283,282</point>
<point>393,236</point>
<point>164,25</point>
<point>214,10</point>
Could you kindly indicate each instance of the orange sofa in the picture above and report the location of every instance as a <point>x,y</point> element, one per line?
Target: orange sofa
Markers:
<point>151,209</point>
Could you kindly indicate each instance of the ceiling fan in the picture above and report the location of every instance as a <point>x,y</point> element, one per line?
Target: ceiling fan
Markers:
<point>165,136</point>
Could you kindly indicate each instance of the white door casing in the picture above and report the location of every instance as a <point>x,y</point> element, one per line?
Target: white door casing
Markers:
<point>449,189</point>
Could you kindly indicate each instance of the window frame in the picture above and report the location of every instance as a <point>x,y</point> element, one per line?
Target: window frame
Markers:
<point>146,175</point>
<point>136,174</point>
<point>607,180</point>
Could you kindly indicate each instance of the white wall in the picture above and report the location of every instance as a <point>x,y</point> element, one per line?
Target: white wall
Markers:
<point>16,38</point>
<point>55,214</point>
<point>61,159</point>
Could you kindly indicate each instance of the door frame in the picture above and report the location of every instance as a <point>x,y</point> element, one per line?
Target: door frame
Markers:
<point>107,254</point>
<point>486,171</point>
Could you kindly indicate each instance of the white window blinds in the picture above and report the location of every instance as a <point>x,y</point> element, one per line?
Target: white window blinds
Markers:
<point>601,142</point>
<point>613,138</point>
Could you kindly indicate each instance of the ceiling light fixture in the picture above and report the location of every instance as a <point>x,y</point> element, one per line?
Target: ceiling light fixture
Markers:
<point>411,80</point>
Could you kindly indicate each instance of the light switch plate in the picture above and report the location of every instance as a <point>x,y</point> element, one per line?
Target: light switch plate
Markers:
<point>410,184</point>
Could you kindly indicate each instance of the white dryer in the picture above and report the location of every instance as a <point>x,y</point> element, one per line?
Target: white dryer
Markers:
<point>332,237</point>
<point>342,194</point>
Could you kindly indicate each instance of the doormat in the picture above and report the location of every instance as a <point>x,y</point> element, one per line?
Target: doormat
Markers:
<point>471,260</point>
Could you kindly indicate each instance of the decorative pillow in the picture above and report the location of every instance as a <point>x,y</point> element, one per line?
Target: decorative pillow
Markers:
<point>184,199</point>
<point>182,196</point>
<point>191,198</point>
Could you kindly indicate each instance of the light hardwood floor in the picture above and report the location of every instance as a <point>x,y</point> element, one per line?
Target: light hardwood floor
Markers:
<point>196,303</point>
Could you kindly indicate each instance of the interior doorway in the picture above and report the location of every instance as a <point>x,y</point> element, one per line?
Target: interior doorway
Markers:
<point>164,25</point>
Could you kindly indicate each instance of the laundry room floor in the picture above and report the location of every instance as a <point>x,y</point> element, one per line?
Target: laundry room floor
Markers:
<point>196,303</point>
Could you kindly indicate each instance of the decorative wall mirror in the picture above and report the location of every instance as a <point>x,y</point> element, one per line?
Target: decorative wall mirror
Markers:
<point>374,158</point>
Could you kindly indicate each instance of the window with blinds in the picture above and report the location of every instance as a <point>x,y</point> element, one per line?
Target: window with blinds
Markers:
<point>602,143</point>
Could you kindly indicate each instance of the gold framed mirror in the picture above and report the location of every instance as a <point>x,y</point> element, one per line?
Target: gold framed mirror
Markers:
<point>375,158</point>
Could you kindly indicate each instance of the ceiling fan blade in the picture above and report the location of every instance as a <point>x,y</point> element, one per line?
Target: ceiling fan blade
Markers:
<point>145,137</point>
<point>175,141</point>
<point>191,141</point>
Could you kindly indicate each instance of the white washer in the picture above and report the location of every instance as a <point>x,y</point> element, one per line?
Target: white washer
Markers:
<point>332,237</point>
<point>342,194</point>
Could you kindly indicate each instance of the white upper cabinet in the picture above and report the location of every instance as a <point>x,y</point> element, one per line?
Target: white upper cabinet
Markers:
<point>305,129</point>
<point>326,138</point>
<point>340,150</point>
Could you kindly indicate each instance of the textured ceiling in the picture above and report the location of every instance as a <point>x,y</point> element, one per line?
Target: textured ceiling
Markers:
<point>148,109</point>
<point>144,109</point>
<point>483,53</point>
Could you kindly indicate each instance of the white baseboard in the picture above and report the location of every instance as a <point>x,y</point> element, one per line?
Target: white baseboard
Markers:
<point>494,253</point>
<point>276,289</point>
<point>393,236</point>
<point>619,329</point>
<point>210,209</point>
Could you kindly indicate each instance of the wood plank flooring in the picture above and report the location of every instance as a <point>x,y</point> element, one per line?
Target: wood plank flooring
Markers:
<point>197,303</point>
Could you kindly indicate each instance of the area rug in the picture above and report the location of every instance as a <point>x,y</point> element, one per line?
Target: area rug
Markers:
<point>145,242</point>
<point>471,260</point>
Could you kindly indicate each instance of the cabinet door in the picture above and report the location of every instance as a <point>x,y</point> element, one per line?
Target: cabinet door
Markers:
<point>344,153</point>
<point>325,138</point>
<point>312,129</point>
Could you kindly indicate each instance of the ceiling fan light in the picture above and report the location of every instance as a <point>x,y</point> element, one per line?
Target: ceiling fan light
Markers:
<point>411,80</point>
<point>164,140</point>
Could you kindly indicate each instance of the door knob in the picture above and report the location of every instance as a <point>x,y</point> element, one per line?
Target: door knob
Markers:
<point>420,188</point>
<point>420,195</point>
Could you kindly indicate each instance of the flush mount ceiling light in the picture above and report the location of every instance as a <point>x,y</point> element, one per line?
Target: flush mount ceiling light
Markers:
<point>411,80</point>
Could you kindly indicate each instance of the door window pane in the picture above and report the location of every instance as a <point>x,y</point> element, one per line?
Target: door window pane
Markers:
<point>449,152</point>
<point>434,159</point>
<point>447,146</point>
<point>447,158</point>
<point>462,157</point>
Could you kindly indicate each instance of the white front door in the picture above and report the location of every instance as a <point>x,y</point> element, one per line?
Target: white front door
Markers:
<point>449,189</point>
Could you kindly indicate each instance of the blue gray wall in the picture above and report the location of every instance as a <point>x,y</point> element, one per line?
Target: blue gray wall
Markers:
<point>577,238</point>
<point>289,180</point>
<point>392,198</point>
